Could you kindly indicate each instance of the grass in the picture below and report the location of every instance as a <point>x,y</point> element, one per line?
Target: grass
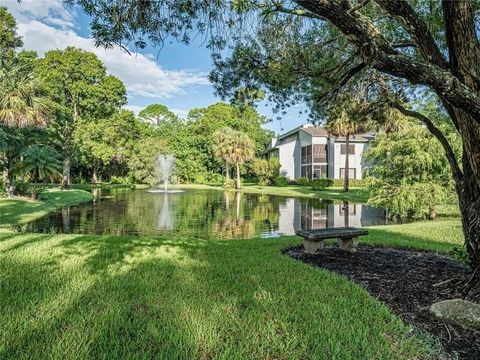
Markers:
<point>21,210</point>
<point>148,297</point>
<point>442,235</point>
<point>141,297</point>
<point>355,194</point>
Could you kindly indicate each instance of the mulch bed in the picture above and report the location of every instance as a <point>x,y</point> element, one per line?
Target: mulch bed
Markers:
<point>408,282</point>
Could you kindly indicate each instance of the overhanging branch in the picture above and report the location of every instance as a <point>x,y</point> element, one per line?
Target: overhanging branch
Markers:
<point>457,172</point>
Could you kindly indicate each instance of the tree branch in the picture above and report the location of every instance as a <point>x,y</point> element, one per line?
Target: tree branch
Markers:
<point>377,52</point>
<point>462,41</point>
<point>416,27</point>
<point>457,172</point>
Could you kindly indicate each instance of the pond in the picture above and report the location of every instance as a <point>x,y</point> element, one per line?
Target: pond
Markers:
<point>203,214</point>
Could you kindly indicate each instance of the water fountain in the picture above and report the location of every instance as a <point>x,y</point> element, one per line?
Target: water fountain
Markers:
<point>164,168</point>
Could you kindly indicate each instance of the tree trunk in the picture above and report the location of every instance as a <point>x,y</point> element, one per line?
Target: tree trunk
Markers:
<point>469,201</point>
<point>227,171</point>
<point>94,175</point>
<point>347,164</point>
<point>8,176</point>
<point>239,185</point>
<point>66,172</point>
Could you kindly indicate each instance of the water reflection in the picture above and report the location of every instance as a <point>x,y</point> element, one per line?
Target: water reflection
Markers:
<point>204,214</point>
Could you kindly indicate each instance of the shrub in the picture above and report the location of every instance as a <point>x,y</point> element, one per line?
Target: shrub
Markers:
<point>281,181</point>
<point>267,171</point>
<point>229,184</point>
<point>352,182</point>
<point>123,180</point>
<point>21,188</point>
<point>321,184</point>
<point>303,181</point>
<point>216,179</point>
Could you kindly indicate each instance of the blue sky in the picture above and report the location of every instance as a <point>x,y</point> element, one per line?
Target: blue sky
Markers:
<point>175,75</point>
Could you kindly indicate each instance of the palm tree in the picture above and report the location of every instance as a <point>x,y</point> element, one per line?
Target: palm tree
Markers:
<point>347,120</point>
<point>20,101</point>
<point>243,149</point>
<point>223,140</point>
<point>41,162</point>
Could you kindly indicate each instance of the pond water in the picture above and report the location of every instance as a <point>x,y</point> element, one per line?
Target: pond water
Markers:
<point>203,214</point>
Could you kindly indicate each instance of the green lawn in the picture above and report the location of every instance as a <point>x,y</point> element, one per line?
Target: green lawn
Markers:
<point>20,210</point>
<point>139,298</point>
<point>333,193</point>
<point>145,297</point>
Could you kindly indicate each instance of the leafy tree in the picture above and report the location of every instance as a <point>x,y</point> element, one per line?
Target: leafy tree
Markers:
<point>267,171</point>
<point>41,162</point>
<point>143,160</point>
<point>242,150</point>
<point>78,84</point>
<point>157,114</point>
<point>411,171</point>
<point>346,120</point>
<point>21,103</point>
<point>9,40</point>
<point>104,143</point>
<point>223,143</point>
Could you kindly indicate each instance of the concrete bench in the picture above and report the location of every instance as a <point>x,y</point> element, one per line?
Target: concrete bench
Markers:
<point>347,237</point>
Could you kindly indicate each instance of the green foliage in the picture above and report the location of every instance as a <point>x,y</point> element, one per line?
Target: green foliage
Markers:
<point>267,171</point>
<point>229,184</point>
<point>410,154</point>
<point>21,103</point>
<point>412,172</point>
<point>408,201</point>
<point>143,160</point>
<point>321,184</point>
<point>124,180</point>
<point>41,162</point>
<point>9,40</point>
<point>21,187</point>
<point>108,143</point>
<point>81,91</point>
<point>157,114</point>
<point>281,181</point>
<point>303,181</point>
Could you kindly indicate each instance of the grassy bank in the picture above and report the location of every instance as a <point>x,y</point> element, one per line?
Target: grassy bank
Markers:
<point>20,210</point>
<point>128,297</point>
<point>147,297</point>
<point>334,193</point>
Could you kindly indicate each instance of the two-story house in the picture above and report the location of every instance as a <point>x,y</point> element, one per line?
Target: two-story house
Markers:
<point>310,151</point>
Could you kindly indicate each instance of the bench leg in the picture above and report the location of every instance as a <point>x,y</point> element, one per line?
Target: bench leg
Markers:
<point>311,247</point>
<point>348,244</point>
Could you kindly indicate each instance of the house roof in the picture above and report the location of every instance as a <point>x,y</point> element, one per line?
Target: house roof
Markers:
<point>316,131</point>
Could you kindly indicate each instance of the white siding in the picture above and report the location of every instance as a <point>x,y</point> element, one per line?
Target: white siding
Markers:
<point>355,161</point>
<point>289,157</point>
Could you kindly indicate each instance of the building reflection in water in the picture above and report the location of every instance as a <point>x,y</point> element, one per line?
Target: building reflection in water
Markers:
<point>301,214</point>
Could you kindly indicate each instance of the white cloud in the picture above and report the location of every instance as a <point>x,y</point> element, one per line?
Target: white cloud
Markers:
<point>49,11</point>
<point>47,25</point>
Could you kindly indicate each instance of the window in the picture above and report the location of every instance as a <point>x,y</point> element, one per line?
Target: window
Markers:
<point>320,171</point>
<point>307,171</point>
<point>351,149</point>
<point>352,173</point>
<point>307,154</point>
<point>319,153</point>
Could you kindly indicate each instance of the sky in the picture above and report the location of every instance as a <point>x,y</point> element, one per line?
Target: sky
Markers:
<point>176,75</point>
